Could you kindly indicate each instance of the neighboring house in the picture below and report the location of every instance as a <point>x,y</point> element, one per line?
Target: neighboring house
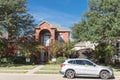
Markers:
<point>117,50</point>
<point>84,49</point>
<point>46,34</point>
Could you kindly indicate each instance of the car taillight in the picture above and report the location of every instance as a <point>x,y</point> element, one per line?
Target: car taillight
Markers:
<point>62,65</point>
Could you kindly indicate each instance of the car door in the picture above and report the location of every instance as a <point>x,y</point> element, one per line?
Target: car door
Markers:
<point>80,67</point>
<point>90,68</point>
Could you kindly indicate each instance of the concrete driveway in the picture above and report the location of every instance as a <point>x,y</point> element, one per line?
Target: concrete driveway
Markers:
<point>41,77</point>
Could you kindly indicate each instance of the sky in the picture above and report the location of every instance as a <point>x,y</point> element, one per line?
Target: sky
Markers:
<point>62,12</point>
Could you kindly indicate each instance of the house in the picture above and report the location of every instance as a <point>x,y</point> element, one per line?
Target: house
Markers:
<point>84,49</point>
<point>117,50</point>
<point>43,34</point>
<point>46,34</point>
<point>46,31</point>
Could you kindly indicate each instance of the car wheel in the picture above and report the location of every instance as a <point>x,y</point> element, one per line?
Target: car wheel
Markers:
<point>104,74</point>
<point>70,74</point>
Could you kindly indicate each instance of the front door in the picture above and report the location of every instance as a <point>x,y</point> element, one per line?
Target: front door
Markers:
<point>42,58</point>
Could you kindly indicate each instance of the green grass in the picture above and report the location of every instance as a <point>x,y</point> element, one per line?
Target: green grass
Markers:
<point>15,68</point>
<point>116,69</point>
<point>13,71</point>
<point>46,72</point>
<point>51,67</point>
<point>117,73</point>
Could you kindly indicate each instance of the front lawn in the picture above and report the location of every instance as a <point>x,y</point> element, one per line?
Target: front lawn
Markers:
<point>15,68</point>
<point>116,70</point>
<point>49,69</point>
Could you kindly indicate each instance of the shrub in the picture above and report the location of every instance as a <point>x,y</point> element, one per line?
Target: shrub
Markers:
<point>6,60</point>
<point>104,52</point>
<point>60,60</point>
<point>50,62</point>
<point>19,60</point>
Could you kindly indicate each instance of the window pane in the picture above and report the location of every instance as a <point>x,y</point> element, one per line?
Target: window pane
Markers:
<point>80,62</point>
<point>88,63</point>
<point>71,62</point>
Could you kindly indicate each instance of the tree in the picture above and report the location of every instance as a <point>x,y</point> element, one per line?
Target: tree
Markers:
<point>3,46</point>
<point>3,41</point>
<point>54,49</point>
<point>101,22</point>
<point>14,18</point>
<point>67,48</point>
<point>63,49</point>
<point>104,52</point>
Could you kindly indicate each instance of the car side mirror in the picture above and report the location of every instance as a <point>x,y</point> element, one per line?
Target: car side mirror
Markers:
<point>94,65</point>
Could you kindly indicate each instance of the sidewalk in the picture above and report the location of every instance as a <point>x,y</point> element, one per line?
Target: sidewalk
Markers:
<point>35,69</point>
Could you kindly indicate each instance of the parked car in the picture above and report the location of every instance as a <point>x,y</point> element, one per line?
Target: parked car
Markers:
<point>83,67</point>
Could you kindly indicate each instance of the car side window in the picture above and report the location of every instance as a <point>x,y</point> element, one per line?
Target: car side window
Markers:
<point>80,62</point>
<point>88,63</point>
<point>71,62</point>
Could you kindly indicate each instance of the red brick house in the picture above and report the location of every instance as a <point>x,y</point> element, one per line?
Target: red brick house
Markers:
<point>46,34</point>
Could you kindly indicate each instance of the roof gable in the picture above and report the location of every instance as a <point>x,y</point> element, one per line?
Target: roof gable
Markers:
<point>38,26</point>
<point>59,28</point>
<point>53,26</point>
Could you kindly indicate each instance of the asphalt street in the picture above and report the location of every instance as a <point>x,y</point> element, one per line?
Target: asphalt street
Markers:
<point>42,77</point>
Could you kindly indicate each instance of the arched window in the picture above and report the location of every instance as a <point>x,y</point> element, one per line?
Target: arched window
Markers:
<point>45,37</point>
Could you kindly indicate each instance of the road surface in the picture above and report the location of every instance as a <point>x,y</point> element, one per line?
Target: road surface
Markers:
<point>41,77</point>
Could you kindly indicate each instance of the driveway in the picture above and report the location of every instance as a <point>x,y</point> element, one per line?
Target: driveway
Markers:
<point>41,77</point>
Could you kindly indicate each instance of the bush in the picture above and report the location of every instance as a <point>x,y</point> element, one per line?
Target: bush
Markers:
<point>6,60</point>
<point>50,62</point>
<point>60,60</point>
<point>104,52</point>
<point>19,60</point>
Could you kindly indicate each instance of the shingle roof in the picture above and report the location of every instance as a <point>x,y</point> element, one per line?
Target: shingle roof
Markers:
<point>55,26</point>
<point>81,44</point>
<point>59,28</point>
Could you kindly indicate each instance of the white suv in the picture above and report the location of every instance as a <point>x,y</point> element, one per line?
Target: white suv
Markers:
<point>85,68</point>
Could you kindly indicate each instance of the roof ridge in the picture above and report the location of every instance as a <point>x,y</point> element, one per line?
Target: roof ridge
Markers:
<point>59,27</point>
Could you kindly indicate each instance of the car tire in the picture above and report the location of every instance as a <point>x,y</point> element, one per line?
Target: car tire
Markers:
<point>104,75</point>
<point>70,74</point>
